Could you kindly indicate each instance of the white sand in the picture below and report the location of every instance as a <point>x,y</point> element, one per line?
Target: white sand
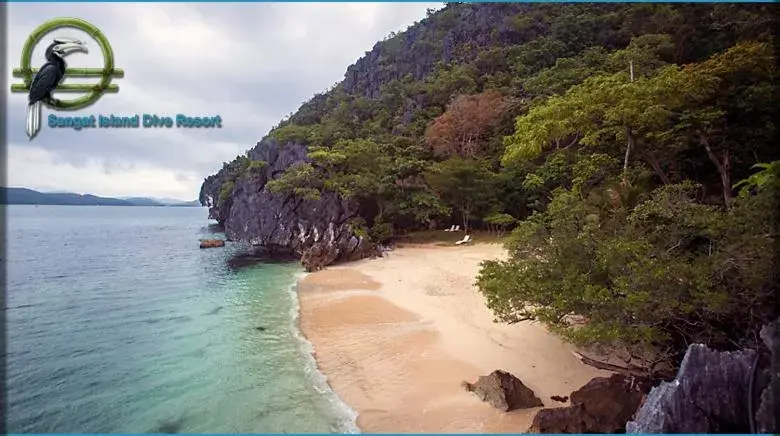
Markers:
<point>396,336</point>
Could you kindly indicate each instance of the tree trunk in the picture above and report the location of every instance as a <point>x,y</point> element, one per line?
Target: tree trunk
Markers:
<point>629,148</point>
<point>470,152</point>
<point>657,168</point>
<point>462,145</point>
<point>723,165</point>
<point>636,371</point>
<point>465,211</point>
<point>680,51</point>
<point>631,141</point>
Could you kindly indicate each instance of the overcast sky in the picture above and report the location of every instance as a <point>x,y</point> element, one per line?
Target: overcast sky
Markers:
<point>252,64</point>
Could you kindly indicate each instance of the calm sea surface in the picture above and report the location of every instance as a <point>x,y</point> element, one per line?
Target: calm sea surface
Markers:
<point>118,322</point>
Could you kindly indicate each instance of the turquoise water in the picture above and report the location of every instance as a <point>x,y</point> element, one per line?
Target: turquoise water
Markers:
<point>118,322</point>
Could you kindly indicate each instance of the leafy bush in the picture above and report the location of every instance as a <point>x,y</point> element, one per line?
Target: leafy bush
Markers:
<point>299,180</point>
<point>358,226</point>
<point>649,279</point>
<point>381,231</point>
<point>500,221</point>
<point>768,177</point>
<point>226,191</point>
<point>292,133</point>
<point>257,165</point>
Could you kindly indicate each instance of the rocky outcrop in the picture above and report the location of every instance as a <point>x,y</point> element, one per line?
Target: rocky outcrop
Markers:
<point>317,231</point>
<point>461,30</point>
<point>714,392</point>
<point>603,405</point>
<point>503,391</point>
<point>717,392</point>
<point>766,384</point>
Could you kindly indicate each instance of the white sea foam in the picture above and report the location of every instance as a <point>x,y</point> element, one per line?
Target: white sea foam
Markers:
<point>347,422</point>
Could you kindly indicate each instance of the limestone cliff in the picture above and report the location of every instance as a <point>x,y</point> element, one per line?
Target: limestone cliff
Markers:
<point>460,30</point>
<point>316,230</point>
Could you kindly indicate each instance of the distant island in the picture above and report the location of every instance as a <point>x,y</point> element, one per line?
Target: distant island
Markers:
<point>29,196</point>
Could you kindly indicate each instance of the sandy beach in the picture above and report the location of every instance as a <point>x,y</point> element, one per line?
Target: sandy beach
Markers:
<point>396,336</point>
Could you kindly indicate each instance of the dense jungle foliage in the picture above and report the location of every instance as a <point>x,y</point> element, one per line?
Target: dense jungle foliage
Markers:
<point>611,136</point>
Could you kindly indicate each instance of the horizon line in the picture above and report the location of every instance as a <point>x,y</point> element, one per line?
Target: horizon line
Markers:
<point>116,197</point>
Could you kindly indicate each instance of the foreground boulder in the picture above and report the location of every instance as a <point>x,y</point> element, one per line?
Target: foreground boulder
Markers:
<point>211,243</point>
<point>503,391</point>
<point>603,405</point>
<point>717,392</point>
<point>316,230</point>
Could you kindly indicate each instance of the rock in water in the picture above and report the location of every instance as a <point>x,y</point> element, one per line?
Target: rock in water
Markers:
<point>316,230</point>
<point>318,256</point>
<point>603,405</point>
<point>211,243</point>
<point>712,392</point>
<point>504,391</point>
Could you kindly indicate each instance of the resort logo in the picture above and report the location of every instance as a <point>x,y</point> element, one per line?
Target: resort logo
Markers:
<point>41,83</point>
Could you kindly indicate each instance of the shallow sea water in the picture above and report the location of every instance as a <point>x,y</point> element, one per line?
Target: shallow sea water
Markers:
<point>118,322</point>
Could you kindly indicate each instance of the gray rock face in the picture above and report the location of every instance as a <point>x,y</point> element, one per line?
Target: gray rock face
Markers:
<point>317,231</point>
<point>486,24</point>
<point>503,391</point>
<point>767,385</point>
<point>716,392</point>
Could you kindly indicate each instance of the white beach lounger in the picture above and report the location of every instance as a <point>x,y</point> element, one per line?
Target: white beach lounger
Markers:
<point>466,239</point>
<point>451,229</point>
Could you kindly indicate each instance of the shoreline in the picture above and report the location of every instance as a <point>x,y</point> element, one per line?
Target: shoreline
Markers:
<point>347,421</point>
<point>394,337</point>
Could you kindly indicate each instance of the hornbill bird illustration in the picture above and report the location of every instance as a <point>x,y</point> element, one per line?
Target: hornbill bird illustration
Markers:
<point>47,79</point>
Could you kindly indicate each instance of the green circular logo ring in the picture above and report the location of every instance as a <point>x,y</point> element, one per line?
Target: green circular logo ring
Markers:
<point>76,23</point>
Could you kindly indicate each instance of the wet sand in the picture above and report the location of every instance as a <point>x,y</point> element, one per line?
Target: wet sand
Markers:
<point>396,337</point>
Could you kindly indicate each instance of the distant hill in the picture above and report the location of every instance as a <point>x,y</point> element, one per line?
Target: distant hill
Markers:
<point>143,201</point>
<point>146,201</point>
<point>29,196</point>
<point>170,201</point>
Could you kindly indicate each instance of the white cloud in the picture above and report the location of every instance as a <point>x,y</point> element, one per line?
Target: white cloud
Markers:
<point>251,63</point>
<point>37,168</point>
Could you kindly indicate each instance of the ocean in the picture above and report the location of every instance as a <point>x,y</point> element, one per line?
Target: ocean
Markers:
<point>118,323</point>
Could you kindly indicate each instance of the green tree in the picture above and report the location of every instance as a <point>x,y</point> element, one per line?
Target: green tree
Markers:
<point>728,110</point>
<point>768,177</point>
<point>500,221</point>
<point>359,169</point>
<point>463,183</point>
<point>300,180</point>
